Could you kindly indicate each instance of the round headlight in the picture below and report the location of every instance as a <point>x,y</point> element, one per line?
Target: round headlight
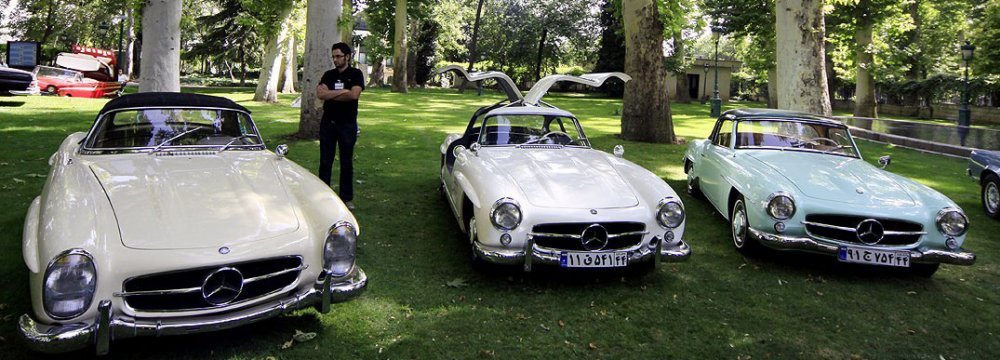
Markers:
<point>70,283</point>
<point>339,249</point>
<point>952,221</point>
<point>506,214</point>
<point>780,206</point>
<point>670,214</point>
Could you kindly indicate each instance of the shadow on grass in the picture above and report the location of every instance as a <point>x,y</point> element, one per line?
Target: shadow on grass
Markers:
<point>11,103</point>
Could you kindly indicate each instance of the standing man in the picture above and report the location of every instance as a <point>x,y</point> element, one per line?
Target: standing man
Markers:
<point>339,89</point>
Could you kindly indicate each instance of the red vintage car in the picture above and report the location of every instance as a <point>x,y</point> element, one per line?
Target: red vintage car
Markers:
<point>78,75</point>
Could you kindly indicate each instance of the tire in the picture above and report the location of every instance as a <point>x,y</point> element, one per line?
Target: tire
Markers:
<point>51,89</point>
<point>924,270</point>
<point>477,263</point>
<point>739,226</point>
<point>693,188</point>
<point>990,196</point>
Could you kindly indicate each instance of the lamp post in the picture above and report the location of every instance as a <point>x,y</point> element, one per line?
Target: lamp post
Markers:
<point>716,101</point>
<point>704,88</point>
<point>119,55</point>
<point>964,115</point>
<point>102,28</point>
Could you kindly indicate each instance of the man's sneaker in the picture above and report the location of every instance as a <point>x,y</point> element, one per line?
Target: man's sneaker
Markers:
<point>350,205</point>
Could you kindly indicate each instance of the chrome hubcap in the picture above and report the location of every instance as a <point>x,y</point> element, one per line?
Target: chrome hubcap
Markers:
<point>739,224</point>
<point>992,198</point>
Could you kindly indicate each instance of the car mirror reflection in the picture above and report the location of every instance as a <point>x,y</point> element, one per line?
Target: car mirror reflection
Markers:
<point>281,150</point>
<point>885,161</point>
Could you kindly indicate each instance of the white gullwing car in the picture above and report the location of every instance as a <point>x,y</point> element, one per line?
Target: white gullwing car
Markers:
<point>526,186</point>
<point>171,217</point>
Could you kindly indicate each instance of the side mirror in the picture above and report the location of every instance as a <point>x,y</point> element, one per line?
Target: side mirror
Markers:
<point>619,151</point>
<point>281,151</point>
<point>475,148</point>
<point>885,161</point>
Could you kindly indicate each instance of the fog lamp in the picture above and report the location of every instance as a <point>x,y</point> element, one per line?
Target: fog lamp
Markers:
<point>951,243</point>
<point>669,235</point>
<point>505,239</point>
<point>779,227</point>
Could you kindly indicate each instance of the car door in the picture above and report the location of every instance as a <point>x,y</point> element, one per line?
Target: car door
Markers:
<point>713,158</point>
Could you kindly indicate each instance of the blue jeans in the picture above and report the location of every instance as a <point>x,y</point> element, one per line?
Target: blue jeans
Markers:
<point>334,136</point>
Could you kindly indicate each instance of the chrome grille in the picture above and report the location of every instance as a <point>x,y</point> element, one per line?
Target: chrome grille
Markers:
<point>567,236</point>
<point>182,290</point>
<point>844,228</point>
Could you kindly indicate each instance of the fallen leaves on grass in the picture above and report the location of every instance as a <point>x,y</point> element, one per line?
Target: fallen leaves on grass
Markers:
<point>19,181</point>
<point>487,354</point>
<point>298,337</point>
<point>911,293</point>
<point>456,283</point>
<point>544,327</point>
<point>592,346</point>
<point>562,323</point>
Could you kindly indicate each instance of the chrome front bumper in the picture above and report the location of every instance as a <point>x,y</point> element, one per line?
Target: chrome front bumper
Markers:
<point>676,251</point>
<point>108,326</point>
<point>782,242</point>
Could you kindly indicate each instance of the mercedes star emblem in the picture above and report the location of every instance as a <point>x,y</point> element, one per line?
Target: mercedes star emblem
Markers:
<point>222,286</point>
<point>594,237</point>
<point>870,231</point>
<point>223,250</point>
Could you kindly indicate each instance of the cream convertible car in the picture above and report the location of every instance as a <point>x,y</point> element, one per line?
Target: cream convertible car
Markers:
<point>170,217</point>
<point>527,188</point>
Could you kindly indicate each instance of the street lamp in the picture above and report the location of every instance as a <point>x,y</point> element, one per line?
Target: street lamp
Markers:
<point>120,55</point>
<point>102,28</point>
<point>704,88</point>
<point>716,101</point>
<point>964,115</point>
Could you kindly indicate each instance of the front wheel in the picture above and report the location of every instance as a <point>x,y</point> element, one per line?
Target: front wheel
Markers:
<point>991,196</point>
<point>740,227</point>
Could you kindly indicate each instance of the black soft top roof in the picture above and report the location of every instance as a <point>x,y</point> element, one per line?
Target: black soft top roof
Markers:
<point>171,99</point>
<point>762,113</point>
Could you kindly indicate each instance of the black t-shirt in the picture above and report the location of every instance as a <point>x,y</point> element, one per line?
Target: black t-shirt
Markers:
<point>342,111</point>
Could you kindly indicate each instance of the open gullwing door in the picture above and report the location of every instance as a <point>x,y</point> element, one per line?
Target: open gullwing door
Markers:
<point>542,86</point>
<point>502,79</point>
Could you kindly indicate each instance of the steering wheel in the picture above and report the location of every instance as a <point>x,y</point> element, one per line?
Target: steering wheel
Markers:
<point>561,134</point>
<point>832,141</point>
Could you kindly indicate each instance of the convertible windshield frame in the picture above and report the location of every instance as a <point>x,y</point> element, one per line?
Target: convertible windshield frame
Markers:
<point>855,152</point>
<point>87,144</point>
<point>550,119</point>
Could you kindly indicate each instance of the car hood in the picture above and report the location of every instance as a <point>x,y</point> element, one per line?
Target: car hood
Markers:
<point>564,178</point>
<point>838,178</point>
<point>180,202</point>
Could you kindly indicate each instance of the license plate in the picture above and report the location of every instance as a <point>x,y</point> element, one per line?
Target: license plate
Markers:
<point>571,259</point>
<point>874,257</point>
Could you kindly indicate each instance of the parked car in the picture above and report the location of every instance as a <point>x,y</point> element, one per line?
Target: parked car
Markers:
<point>793,181</point>
<point>14,80</point>
<point>527,188</point>
<point>72,83</point>
<point>171,217</point>
<point>984,167</point>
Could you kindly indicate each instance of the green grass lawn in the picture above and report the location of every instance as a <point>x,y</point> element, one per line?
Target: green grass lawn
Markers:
<point>718,305</point>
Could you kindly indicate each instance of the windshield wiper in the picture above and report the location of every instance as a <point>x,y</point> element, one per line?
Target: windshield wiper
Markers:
<point>241,137</point>
<point>175,137</point>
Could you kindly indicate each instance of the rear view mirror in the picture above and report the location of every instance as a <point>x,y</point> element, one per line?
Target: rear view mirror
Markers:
<point>281,150</point>
<point>885,161</point>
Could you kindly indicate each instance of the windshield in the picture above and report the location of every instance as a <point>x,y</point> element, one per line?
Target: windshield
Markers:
<point>56,72</point>
<point>164,128</point>
<point>532,129</point>
<point>794,135</point>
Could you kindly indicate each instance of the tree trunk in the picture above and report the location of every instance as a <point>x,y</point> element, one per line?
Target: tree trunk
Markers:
<point>399,45</point>
<point>290,75</point>
<point>270,70</point>
<point>541,48</point>
<point>916,71</point>
<point>473,48</point>
<point>129,45</point>
<point>800,56</point>
<point>683,94</point>
<point>646,114</point>
<point>321,33</point>
<point>347,30</point>
<point>772,87</point>
<point>864,105</point>
<point>161,42</point>
<point>378,73</point>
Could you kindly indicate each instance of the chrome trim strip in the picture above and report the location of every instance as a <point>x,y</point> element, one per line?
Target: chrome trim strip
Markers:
<point>271,275</point>
<point>157,292</point>
<point>782,242</point>
<point>673,252</point>
<point>629,233</point>
<point>577,237</point>
<point>841,228</point>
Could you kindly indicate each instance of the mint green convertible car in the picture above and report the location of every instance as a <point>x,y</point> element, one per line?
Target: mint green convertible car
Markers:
<point>793,181</point>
